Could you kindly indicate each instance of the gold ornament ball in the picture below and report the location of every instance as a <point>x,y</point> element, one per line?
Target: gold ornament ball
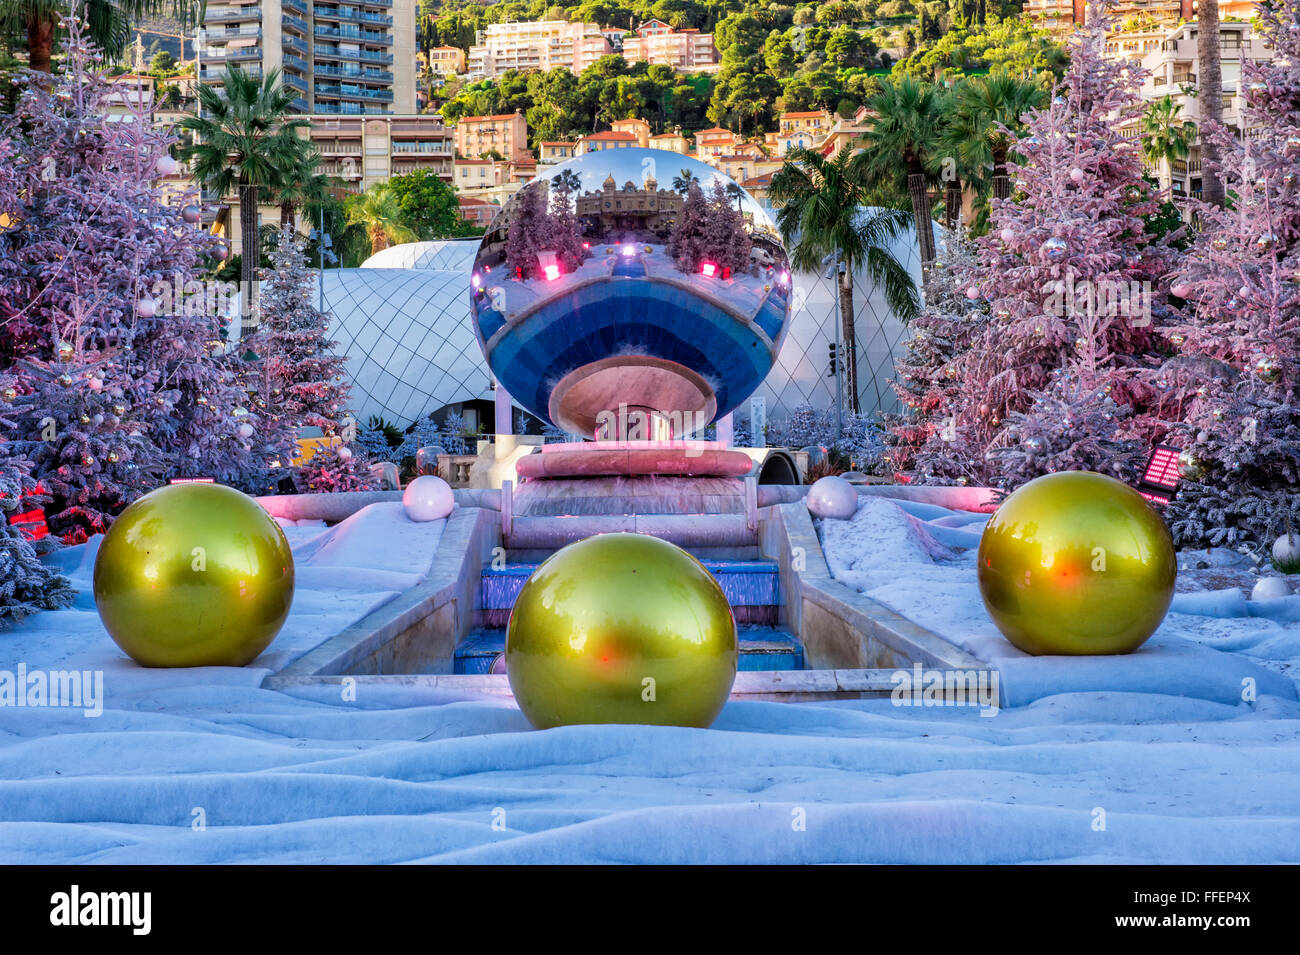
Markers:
<point>194,575</point>
<point>1076,563</point>
<point>621,628</point>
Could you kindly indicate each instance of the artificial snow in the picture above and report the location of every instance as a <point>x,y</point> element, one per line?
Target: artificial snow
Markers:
<point>1140,758</point>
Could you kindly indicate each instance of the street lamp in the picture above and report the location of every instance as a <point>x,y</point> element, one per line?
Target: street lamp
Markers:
<point>832,271</point>
<point>324,247</point>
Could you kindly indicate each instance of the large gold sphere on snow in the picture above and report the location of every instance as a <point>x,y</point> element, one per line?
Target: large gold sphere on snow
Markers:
<point>194,575</point>
<point>1076,563</point>
<point>621,628</point>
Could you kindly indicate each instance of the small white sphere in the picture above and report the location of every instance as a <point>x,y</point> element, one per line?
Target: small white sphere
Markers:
<point>245,430</point>
<point>1076,174</point>
<point>1008,235</point>
<point>166,166</point>
<point>345,453</point>
<point>832,496</point>
<point>428,498</point>
<point>1286,553</point>
<point>146,308</point>
<point>1270,588</point>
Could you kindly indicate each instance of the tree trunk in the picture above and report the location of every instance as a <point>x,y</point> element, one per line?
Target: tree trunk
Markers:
<point>1210,95</point>
<point>921,212</point>
<point>849,373</point>
<point>40,44</point>
<point>286,214</point>
<point>1001,181</point>
<point>952,203</point>
<point>250,256</point>
<point>378,241</point>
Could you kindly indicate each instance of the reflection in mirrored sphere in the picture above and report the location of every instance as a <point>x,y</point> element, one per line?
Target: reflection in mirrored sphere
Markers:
<point>631,284</point>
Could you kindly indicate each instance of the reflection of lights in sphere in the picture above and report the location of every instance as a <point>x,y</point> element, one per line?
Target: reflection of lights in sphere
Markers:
<point>606,315</point>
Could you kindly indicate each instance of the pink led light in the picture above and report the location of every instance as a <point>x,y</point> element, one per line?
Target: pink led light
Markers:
<point>552,272</point>
<point>708,269</point>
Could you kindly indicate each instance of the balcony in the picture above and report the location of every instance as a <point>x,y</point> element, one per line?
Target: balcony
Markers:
<point>218,35</point>
<point>297,62</point>
<point>348,91</point>
<point>351,14</point>
<point>424,149</point>
<point>233,54</point>
<point>296,23</point>
<point>298,6</point>
<point>352,33</point>
<point>300,104</point>
<point>238,13</point>
<point>294,81</point>
<point>402,168</point>
<point>343,170</point>
<point>374,76</point>
<point>366,56</point>
<point>289,42</point>
<point>347,109</point>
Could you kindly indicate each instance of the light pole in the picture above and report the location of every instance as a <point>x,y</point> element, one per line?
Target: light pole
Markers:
<point>833,273</point>
<point>323,246</point>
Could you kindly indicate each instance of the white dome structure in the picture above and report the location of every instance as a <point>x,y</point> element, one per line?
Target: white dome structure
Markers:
<point>402,320</point>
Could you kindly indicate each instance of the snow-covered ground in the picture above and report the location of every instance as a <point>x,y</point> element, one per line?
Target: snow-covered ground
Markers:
<point>1159,771</point>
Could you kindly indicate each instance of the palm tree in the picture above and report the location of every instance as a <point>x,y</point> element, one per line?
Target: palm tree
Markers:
<point>376,211</point>
<point>107,23</point>
<point>901,141</point>
<point>682,181</point>
<point>243,140</point>
<point>297,184</point>
<point>1210,94</point>
<point>984,114</point>
<point>820,212</point>
<point>1166,137</point>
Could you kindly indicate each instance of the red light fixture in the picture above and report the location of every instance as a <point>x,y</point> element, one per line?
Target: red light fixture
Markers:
<point>552,272</point>
<point>708,269</point>
<point>1160,477</point>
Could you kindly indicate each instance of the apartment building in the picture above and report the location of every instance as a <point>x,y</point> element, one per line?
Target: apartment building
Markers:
<point>506,133</point>
<point>687,51</point>
<point>639,129</point>
<point>1173,72</point>
<point>1062,16</point>
<point>557,151</point>
<point>542,45</point>
<point>802,130</point>
<point>712,143</point>
<point>609,139</point>
<point>442,61</point>
<point>675,142</point>
<point>356,58</point>
<point>362,151</point>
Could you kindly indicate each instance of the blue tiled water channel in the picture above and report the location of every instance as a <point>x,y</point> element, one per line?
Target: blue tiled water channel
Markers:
<point>751,586</point>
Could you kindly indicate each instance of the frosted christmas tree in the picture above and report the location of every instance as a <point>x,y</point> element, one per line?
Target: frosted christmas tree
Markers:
<point>1241,278</point>
<point>301,381</point>
<point>117,381</point>
<point>1068,280</point>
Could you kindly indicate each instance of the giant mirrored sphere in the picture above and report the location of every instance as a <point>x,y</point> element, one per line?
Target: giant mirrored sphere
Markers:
<point>631,279</point>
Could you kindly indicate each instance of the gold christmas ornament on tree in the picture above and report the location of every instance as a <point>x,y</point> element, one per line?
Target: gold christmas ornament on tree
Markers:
<point>1076,563</point>
<point>194,575</point>
<point>621,628</point>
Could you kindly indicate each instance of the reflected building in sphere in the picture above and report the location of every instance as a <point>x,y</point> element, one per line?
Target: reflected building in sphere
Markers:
<point>597,291</point>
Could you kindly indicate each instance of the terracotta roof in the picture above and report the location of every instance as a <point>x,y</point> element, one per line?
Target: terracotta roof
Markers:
<point>714,129</point>
<point>484,119</point>
<point>815,112</point>
<point>558,142</point>
<point>471,201</point>
<point>667,135</point>
<point>610,134</point>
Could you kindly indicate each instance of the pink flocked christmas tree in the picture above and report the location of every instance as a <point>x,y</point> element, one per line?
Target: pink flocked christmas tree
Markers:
<point>1054,376</point>
<point>1241,435</point>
